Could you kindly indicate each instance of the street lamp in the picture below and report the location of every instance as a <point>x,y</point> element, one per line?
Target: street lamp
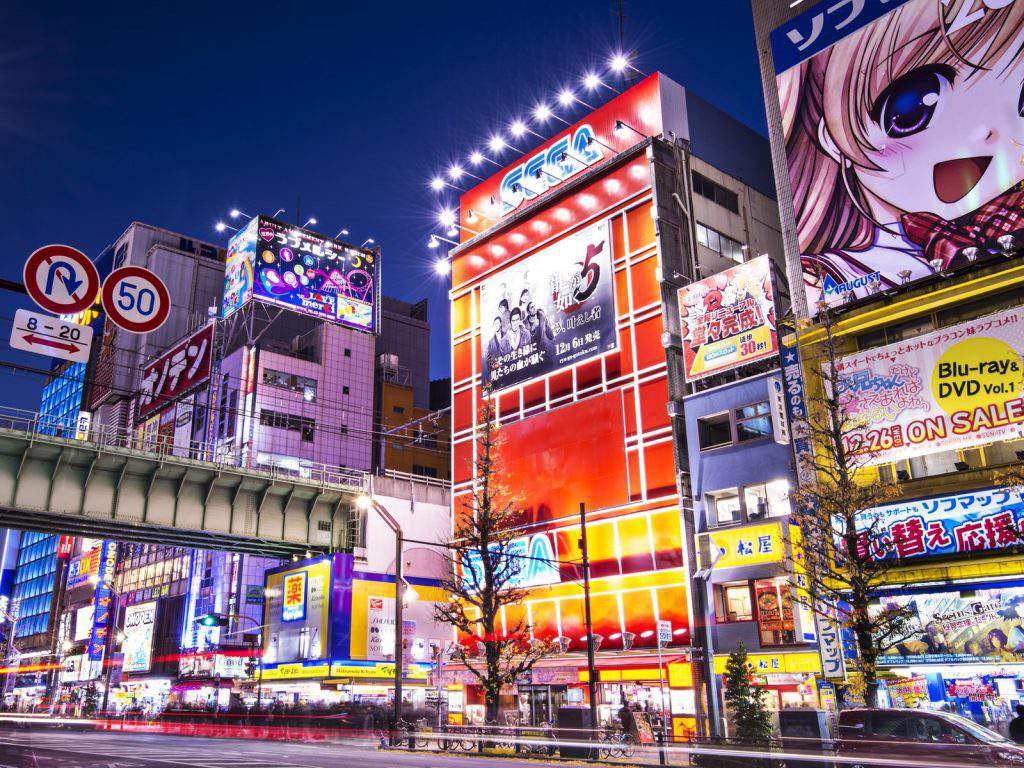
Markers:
<point>366,503</point>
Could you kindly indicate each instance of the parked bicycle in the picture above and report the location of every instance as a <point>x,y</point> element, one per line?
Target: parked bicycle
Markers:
<point>616,743</point>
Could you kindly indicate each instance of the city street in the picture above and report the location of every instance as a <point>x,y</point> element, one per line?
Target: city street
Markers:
<point>66,749</point>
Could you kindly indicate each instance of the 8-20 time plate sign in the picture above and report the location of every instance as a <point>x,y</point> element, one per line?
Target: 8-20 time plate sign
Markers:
<point>552,309</point>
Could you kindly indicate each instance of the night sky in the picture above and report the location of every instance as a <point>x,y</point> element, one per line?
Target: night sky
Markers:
<point>175,113</point>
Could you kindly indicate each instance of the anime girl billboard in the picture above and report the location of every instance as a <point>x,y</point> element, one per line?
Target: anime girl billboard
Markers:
<point>903,125</point>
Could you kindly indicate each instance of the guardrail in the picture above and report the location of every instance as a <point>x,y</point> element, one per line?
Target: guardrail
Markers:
<point>160,447</point>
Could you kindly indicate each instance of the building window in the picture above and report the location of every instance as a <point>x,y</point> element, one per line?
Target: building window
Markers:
<point>398,409</point>
<point>291,382</point>
<point>753,422</point>
<point>716,193</point>
<point>323,525</point>
<point>726,507</point>
<point>714,431</point>
<point>344,390</point>
<point>419,469</point>
<point>305,427</point>
<point>750,422</point>
<point>774,600</point>
<point>733,602</point>
<point>348,352</point>
<point>748,503</point>
<point>719,243</point>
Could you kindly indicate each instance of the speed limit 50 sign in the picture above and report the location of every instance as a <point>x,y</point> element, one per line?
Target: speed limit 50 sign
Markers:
<point>135,299</point>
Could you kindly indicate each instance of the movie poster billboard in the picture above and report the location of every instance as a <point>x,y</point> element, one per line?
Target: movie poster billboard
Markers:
<point>139,621</point>
<point>977,521</point>
<point>902,130</point>
<point>977,625</point>
<point>728,320</point>
<point>552,309</point>
<point>302,271</point>
<point>956,387</point>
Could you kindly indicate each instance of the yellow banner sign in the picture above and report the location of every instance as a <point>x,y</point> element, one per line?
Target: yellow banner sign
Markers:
<point>752,545</point>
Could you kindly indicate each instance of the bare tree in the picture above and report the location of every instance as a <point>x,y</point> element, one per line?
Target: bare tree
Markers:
<point>847,556</point>
<point>486,563</point>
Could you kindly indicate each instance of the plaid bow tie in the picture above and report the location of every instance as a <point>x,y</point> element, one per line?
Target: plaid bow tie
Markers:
<point>984,229</point>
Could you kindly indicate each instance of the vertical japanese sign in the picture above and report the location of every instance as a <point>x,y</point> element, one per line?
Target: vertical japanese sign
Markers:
<point>177,371</point>
<point>888,185</point>
<point>728,320</point>
<point>103,601</point>
<point>553,309</point>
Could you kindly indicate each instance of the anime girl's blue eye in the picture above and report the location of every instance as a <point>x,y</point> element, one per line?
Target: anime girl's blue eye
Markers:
<point>906,107</point>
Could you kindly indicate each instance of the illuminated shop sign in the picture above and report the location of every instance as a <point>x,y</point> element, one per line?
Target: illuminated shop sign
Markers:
<point>553,309</point>
<point>978,521</point>
<point>183,367</point>
<point>139,622</point>
<point>728,319</point>
<point>569,155</point>
<point>532,563</point>
<point>752,545</point>
<point>302,271</point>
<point>293,604</point>
<point>976,625</point>
<point>103,600</point>
<point>956,387</point>
<point>887,186</point>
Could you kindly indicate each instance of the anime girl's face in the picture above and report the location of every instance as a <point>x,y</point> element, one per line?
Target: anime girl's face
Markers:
<point>947,140</point>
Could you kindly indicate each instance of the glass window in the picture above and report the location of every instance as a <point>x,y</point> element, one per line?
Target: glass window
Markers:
<point>726,505</point>
<point>713,242</point>
<point>753,422</point>
<point>756,499</point>
<point>887,724</point>
<point>774,599</point>
<point>714,431</point>
<point>778,497</point>
<point>702,235</point>
<point>734,602</point>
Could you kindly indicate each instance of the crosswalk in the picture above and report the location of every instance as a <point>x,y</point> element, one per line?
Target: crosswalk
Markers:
<point>135,749</point>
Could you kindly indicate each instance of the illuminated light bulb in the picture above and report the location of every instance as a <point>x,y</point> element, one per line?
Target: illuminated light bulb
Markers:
<point>613,185</point>
<point>455,172</point>
<point>518,238</point>
<point>432,242</point>
<point>591,81</point>
<point>496,144</point>
<point>565,98</point>
<point>588,201</point>
<point>235,213</point>
<point>476,158</point>
<point>542,112</point>
<point>541,226</point>
<point>220,226</point>
<point>442,267</point>
<point>497,250</point>
<point>518,128</point>
<point>447,217</point>
<point>638,171</point>
<point>648,116</point>
<point>618,63</point>
<point>437,183</point>
<point>562,214</point>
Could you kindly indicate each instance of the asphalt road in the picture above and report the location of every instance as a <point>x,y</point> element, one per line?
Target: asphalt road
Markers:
<point>48,748</point>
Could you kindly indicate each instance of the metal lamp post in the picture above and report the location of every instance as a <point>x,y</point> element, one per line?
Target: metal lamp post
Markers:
<point>223,620</point>
<point>367,502</point>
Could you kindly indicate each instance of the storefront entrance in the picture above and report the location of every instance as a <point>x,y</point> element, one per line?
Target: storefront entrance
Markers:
<point>538,704</point>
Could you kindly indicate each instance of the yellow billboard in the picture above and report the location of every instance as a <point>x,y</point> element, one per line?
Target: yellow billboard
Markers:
<point>751,545</point>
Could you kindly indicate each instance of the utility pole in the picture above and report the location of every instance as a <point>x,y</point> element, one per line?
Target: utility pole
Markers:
<point>398,629</point>
<point>592,675</point>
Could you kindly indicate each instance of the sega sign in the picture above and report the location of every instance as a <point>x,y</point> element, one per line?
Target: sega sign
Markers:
<point>567,156</point>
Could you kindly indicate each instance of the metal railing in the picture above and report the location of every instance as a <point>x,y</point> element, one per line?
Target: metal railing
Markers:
<point>218,454</point>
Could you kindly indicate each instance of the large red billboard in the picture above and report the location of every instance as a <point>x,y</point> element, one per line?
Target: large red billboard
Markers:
<point>181,368</point>
<point>653,107</point>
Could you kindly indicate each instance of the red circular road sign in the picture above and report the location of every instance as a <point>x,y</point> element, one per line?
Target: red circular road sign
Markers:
<point>61,279</point>
<point>136,299</point>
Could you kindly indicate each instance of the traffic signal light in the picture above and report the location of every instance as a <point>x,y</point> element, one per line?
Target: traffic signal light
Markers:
<point>212,620</point>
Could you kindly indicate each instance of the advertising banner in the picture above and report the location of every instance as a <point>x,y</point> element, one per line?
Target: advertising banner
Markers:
<point>977,521</point>
<point>952,388</point>
<point>296,613</point>
<point>139,621</point>
<point>553,309</point>
<point>180,369</point>
<point>294,606</point>
<point>728,320</point>
<point>103,600</point>
<point>532,560</point>
<point>978,625</point>
<point>83,623</point>
<point>888,184</point>
<point>83,567</point>
<point>774,606</point>
<point>302,271</point>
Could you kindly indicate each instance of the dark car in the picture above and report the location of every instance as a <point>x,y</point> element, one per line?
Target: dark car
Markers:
<point>922,738</point>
